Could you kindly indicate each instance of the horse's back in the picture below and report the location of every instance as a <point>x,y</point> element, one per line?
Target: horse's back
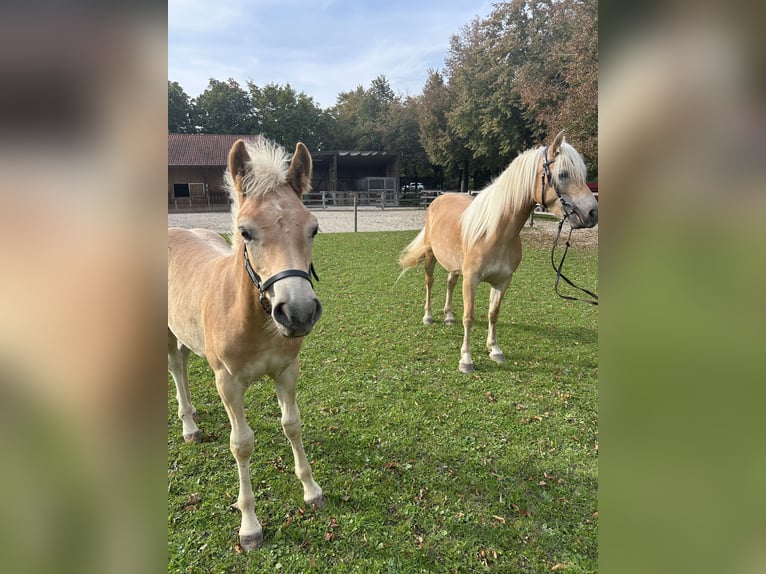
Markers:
<point>203,241</point>
<point>194,260</point>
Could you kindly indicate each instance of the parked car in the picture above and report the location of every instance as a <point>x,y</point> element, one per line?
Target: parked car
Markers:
<point>412,187</point>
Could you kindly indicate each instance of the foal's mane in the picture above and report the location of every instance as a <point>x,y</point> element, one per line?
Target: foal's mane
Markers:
<point>268,167</point>
<point>513,191</point>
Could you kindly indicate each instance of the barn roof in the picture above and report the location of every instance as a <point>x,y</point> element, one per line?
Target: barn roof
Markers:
<point>210,150</point>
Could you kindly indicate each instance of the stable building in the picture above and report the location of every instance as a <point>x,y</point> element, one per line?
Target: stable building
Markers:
<point>197,162</point>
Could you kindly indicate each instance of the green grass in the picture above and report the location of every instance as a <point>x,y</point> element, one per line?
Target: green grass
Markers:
<point>425,469</point>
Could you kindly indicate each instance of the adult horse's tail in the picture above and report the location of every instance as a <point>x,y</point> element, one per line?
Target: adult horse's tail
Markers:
<point>414,253</point>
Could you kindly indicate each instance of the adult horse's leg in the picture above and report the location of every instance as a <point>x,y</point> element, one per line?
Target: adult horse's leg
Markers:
<point>178,365</point>
<point>470,282</point>
<point>449,315</point>
<point>291,425</point>
<point>495,298</point>
<point>241,444</point>
<point>429,264</point>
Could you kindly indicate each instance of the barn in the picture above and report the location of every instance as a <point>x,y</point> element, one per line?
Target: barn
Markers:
<point>196,164</point>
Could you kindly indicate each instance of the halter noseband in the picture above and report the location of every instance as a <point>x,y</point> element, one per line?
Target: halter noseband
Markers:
<point>263,286</point>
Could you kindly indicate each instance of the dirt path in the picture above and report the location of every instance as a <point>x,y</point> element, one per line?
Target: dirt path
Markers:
<point>340,221</point>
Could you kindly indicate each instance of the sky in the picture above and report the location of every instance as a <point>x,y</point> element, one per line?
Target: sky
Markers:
<point>319,47</point>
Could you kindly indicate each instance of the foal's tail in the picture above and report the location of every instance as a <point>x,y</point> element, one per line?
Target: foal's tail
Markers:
<point>414,253</point>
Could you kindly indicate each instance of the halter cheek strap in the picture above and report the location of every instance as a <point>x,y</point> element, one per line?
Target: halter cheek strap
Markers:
<point>547,181</point>
<point>263,286</point>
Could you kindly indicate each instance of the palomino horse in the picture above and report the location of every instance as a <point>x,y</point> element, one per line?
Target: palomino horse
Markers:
<point>479,238</point>
<point>219,307</point>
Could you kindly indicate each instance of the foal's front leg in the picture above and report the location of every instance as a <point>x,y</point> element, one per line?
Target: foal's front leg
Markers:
<point>291,425</point>
<point>241,444</point>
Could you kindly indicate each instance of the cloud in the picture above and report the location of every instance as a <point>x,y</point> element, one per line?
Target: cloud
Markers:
<point>322,50</point>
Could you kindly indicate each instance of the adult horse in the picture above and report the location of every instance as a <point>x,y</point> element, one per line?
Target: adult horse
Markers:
<point>246,327</point>
<point>479,238</point>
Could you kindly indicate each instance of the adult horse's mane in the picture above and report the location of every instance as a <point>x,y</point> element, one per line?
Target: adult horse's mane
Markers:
<point>270,164</point>
<point>513,190</point>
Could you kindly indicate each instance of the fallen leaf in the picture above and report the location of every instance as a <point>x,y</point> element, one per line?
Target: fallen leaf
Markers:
<point>193,498</point>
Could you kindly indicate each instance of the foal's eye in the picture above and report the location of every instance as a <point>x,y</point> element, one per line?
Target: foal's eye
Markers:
<point>563,175</point>
<point>245,234</point>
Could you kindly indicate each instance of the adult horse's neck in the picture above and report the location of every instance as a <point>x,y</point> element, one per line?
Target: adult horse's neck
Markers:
<point>513,221</point>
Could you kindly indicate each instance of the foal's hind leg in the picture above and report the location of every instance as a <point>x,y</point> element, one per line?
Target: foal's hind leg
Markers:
<point>449,315</point>
<point>495,298</point>
<point>430,263</point>
<point>291,425</point>
<point>178,365</point>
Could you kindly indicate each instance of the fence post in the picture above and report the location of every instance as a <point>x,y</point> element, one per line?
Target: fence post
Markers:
<point>355,211</point>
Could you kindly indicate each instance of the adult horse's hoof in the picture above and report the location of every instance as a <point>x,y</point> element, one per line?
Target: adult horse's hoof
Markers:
<point>196,436</point>
<point>427,321</point>
<point>465,367</point>
<point>251,541</point>
<point>449,321</point>
<point>497,357</point>
<point>318,502</point>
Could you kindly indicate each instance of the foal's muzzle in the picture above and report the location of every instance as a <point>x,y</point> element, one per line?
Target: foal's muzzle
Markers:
<point>295,311</point>
<point>297,317</point>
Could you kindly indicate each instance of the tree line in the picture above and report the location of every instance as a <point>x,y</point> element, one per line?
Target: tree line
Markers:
<point>510,81</point>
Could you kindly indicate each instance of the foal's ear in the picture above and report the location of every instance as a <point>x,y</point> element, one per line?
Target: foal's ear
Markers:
<point>554,149</point>
<point>238,163</point>
<point>299,174</point>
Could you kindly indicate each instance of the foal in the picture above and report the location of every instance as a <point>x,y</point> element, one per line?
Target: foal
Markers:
<point>246,327</point>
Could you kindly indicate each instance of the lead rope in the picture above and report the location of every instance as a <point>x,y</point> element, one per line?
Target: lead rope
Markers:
<point>560,275</point>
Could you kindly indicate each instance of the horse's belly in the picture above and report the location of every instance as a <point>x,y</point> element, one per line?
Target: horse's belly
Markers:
<point>449,257</point>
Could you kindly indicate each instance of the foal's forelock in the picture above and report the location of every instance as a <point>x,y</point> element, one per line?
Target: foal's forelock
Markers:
<point>267,174</point>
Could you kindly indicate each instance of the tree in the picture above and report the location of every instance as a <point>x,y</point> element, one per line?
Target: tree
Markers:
<point>399,134</point>
<point>361,115</point>
<point>444,148</point>
<point>557,78</point>
<point>486,112</point>
<point>180,110</point>
<point>225,108</point>
<point>512,80</point>
<point>288,117</point>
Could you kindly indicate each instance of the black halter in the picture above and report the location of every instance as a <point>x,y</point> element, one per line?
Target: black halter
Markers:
<point>263,286</point>
<point>547,181</point>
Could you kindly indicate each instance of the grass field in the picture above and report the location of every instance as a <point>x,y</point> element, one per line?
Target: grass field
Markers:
<point>425,469</point>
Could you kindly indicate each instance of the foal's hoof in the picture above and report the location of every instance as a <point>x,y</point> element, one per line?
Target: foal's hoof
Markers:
<point>427,321</point>
<point>251,541</point>
<point>465,367</point>
<point>318,502</point>
<point>449,321</point>
<point>194,437</point>
<point>497,357</point>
